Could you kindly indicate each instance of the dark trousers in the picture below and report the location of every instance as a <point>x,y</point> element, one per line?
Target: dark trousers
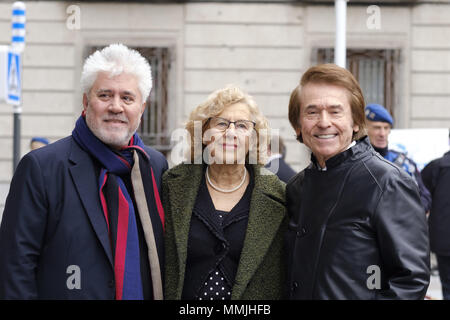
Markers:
<point>444,274</point>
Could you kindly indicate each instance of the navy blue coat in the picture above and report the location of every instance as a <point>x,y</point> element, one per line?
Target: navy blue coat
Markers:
<point>53,220</point>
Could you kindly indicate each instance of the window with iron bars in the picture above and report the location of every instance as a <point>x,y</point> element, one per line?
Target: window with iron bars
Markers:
<point>153,129</point>
<point>374,69</point>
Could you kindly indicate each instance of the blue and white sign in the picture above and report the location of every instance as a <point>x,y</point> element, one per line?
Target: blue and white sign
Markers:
<point>13,78</point>
<point>18,26</point>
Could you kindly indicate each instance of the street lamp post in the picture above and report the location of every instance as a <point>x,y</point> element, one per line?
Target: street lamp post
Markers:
<point>340,49</point>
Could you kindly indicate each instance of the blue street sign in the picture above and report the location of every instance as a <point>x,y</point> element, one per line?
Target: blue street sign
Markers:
<point>14,78</point>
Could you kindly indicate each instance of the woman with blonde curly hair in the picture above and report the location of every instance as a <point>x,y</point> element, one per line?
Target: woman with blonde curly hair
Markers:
<point>225,213</point>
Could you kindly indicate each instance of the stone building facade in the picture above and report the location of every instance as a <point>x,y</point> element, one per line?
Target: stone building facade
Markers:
<point>264,46</point>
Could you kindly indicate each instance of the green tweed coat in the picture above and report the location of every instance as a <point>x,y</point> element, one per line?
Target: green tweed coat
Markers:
<point>261,269</point>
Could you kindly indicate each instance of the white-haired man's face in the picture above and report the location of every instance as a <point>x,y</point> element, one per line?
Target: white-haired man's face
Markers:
<point>114,108</point>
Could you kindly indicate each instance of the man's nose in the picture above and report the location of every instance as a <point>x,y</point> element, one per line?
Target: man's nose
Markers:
<point>116,105</point>
<point>324,119</point>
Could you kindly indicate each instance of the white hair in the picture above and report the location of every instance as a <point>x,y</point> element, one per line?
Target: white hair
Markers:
<point>114,60</point>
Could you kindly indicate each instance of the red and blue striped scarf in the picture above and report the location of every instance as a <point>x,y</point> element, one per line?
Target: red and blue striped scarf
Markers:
<point>118,208</point>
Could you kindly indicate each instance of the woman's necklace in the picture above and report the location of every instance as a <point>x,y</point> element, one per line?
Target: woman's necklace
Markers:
<point>224,190</point>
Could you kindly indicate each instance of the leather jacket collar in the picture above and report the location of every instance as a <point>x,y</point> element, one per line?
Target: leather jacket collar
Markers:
<point>355,152</point>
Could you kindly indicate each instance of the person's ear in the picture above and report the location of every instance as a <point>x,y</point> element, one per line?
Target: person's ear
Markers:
<point>85,102</point>
<point>298,132</point>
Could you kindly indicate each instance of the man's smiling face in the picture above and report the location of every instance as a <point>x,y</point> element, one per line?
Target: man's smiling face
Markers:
<point>114,108</point>
<point>326,122</point>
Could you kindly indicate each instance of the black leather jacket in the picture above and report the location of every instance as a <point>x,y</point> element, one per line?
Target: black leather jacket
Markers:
<point>436,176</point>
<point>356,231</point>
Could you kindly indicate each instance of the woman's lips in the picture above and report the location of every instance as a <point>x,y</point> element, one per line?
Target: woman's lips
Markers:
<point>229,146</point>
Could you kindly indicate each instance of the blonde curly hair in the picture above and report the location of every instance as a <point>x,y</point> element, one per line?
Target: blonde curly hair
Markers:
<point>214,105</point>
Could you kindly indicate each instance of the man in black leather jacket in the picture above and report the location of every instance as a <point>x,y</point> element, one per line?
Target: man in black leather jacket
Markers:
<point>357,228</point>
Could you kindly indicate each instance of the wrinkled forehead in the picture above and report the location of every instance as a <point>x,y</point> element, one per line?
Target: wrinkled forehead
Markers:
<point>323,95</point>
<point>236,111</point>
<point>378,124</point>
<point>123,82</point>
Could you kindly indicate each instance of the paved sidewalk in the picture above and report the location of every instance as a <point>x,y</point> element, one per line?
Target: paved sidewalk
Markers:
<point>434,290</point>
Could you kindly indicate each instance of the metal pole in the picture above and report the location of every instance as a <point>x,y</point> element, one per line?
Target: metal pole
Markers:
<point>17,46</point>
<point>340,49</point>
<point>16,140</point>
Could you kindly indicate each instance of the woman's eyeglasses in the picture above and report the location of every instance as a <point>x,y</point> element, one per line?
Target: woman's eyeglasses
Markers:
<point>223,124</point>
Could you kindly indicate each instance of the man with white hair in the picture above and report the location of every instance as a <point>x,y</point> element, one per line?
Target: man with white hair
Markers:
<point>83,218</point>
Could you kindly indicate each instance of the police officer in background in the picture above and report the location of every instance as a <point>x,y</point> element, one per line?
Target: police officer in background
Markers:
<point>38,142</point>
<point>379,124</point>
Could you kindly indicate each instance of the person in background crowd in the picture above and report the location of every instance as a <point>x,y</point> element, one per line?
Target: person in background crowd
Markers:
<point>226,216</point>
<point>83,218</point>
<point>379,124</point>
<point>436,177</point>
<point>38,142</point>
<point>357,228</point>
<point>277,164</point>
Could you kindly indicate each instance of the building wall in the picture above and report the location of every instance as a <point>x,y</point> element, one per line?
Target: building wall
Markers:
<point>48,81</point>
<point>430,66</point>
<point>259,47</point>
<point>393,33</point>
<point>265,48</point>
